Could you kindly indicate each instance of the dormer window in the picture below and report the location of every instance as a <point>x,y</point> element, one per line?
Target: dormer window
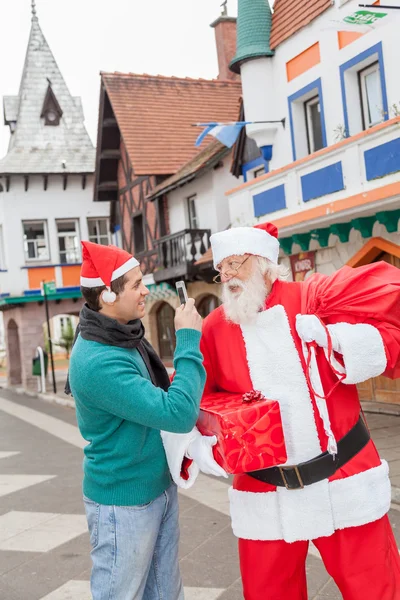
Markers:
<point>51,111</point>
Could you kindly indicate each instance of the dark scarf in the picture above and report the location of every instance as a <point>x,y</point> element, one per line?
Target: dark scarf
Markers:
<point>95,327</point>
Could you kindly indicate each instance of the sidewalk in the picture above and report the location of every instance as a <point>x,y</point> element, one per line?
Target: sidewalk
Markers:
<point>383,421</point>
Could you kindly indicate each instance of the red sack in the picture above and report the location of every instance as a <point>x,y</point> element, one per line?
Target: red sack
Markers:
<point>248,429</point>
<point>366,294</point>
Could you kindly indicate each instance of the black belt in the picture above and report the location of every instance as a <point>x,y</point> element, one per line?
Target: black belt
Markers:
<point>294,477</point>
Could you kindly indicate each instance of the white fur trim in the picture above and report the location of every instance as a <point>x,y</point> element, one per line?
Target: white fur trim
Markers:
<point>363,350</point>
<point>175,446</point>
<point>244,240</point>
<point>108,296</point>
<point>315,511</point>
<point>91,282</point>
<point>276,371</point>
<point>130,264</point>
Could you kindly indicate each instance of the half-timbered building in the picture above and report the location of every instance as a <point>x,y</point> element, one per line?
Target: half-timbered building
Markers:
<point>145,137</point>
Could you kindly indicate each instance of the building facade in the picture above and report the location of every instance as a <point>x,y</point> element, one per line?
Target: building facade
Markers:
<point>146,145</point>
<point>331,167</point>
<point>46,205</point>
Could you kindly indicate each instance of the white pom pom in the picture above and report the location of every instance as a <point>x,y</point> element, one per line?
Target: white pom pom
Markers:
<point>108,296</point>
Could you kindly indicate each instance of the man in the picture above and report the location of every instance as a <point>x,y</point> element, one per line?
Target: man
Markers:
<point>307,345</point>
<point>123,399</point>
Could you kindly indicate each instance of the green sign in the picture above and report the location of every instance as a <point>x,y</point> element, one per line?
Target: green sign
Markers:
<point>49,287</point>
<point>364,17</point>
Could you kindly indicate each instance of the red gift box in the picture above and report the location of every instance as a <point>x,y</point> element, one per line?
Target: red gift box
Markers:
<point>248,429</point>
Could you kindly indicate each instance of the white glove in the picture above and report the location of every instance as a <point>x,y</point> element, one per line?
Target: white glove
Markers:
<point>200,450</point>
<point>310,329</point>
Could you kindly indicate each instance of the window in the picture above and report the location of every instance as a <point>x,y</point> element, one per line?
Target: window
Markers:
<point>313,124</point>
<point>51,110</point>
<point>207,305</point>
<point>371,95</point>
<point>36,245</point>
<point>307,120</point>
<point>258,172</point>
<point>364,95</point>
<point>162,215</point>
<point>68,241</point>
<point>99,231</point>
<point>193,221</point>
<point>166,331</point>
<point>138,234</point>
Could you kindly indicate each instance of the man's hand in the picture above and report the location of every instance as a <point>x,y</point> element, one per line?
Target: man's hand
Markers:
<point>187,317</point>
<point>200,450</point>
<point>310,329</point>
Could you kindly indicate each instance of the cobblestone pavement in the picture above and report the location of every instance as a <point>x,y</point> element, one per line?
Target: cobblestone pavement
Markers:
<point>44,545</point>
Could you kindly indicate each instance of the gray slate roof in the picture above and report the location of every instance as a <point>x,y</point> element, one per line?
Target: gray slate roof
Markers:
<point>35,147</point>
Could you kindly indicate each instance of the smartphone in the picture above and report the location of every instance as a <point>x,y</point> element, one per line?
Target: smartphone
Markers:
<point>182,292</point>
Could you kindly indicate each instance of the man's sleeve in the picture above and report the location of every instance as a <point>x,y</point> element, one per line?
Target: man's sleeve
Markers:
<point>121,390</point>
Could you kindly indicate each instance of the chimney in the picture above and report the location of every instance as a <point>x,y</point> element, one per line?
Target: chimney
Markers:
<point>225,38</point>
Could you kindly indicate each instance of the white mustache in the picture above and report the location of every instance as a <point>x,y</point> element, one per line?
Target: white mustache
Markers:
<point>235,283</point>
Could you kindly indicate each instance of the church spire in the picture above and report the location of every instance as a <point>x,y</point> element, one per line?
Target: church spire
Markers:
<point>34,15</point>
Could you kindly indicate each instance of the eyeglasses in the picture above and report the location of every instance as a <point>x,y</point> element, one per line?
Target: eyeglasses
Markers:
<point>233,267</point>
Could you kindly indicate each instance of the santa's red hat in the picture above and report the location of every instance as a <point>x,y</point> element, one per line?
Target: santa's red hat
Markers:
<point>103,264</point>
<point>261,240</point>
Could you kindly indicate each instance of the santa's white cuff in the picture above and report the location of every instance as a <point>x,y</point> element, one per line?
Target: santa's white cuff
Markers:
<point>362,348</point>
<point>175,446</point>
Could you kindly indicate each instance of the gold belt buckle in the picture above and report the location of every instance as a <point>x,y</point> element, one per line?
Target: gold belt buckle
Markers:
<point>296,470</point>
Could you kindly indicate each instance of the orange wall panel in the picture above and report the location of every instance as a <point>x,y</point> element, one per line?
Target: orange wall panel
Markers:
<point>348,37</point>
<point>303,62</point>
<point>71,276</point>
<point>36,276</point>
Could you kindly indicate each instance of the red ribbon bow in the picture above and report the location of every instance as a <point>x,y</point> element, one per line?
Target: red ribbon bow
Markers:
<point>253,396</point>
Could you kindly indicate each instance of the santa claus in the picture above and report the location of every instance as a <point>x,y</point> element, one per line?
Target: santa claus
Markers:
<point>307,345</point>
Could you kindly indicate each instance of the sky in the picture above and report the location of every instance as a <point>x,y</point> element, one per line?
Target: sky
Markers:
<point>167,37</point>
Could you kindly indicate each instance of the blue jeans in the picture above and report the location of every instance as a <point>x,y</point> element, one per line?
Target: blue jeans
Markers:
<point>135,549</point>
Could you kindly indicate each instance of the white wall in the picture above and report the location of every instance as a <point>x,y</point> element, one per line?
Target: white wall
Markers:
<point>36,204</point>
<point>212,205</point>
<point>320,30</point>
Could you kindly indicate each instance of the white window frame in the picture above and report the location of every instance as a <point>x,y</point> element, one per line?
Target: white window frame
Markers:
<point>65,234</point>
<point>309,123</point>
<point>362,75</point>
<point>193,220</point>
<point>297,111</point>
<point>36,258</point>
<point>259,172</point>
<point>95,238</point>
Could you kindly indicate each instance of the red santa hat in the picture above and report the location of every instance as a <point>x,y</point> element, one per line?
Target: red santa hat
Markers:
<point>103,264</point>
<point>261,240</point>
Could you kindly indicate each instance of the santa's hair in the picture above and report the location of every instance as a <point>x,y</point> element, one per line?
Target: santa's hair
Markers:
<point>272,270</point>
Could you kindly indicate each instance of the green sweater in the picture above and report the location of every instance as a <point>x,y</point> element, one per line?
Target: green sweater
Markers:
<point>120,413</point>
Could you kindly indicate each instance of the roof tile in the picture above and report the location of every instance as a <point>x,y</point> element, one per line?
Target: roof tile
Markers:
<point>155,116</point>
<point>204,160</point>
<point>291,15</point>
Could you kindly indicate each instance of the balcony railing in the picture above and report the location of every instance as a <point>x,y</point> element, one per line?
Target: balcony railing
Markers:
<point>178,252</point>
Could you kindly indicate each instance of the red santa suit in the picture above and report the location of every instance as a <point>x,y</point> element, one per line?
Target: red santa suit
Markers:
<point>345,514</point>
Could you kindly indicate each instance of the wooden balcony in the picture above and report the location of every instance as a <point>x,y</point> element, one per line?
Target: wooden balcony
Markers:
<point>178,252</point>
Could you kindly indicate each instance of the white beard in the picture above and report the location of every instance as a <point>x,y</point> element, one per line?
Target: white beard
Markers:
<point>243,308</point>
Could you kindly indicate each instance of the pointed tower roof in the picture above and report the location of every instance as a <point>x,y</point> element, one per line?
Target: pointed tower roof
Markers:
<point>46,122</point>
<point>254,24</point>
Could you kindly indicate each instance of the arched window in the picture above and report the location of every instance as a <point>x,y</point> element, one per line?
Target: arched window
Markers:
<point>166,331</point>
<point>207,305</point>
